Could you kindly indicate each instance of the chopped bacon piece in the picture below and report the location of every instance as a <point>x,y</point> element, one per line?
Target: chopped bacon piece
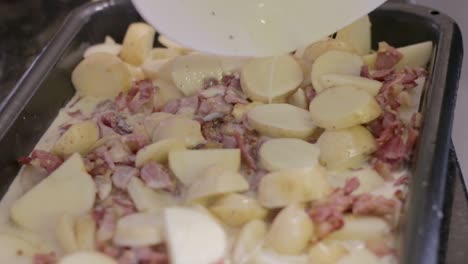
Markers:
<point>214,105</point>
<point>231,81</point>
<point>122,204</point>
<point>217,90</point>
<point>255,178</point>
<point>365,72</point>
<point>136,141</point>
<point>211,130</point>
<point>47,258</point>
<point>77,114</point>
<point>380,248</point>
<point>188,105</point>
<point>145,91</point>
<point>106,225</point>
<point>43,159</point>
<point>403,180</point>
<point>122,176</point>
<point>382,168</point>
<point>387,57</point>
<point>150,255</point>
<point>310,93</point>
<point>393,152</point>
<point>235,96</point>
<point>367,204</point>
<point>351,185</point>
<point>157,176</point>
<point>172,107</point>
<point>245,151</point>
<point>116,122</point>
<point>229,142</point>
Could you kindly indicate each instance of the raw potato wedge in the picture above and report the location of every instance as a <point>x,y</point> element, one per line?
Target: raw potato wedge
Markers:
<point>237,209</point>
<point>187,165</point>
<point>139,229</point>
<point>342,107</point>
<point>90,257</point>
<point>146,199</point>
<point>193,237</point>
<point>298,99</point>
<point>358,34</point>
<point>65,233</point>
<point>137,43</point>
<point>334,61</point>
<point>290,231</point>
<point>167,91</point>
<point>70,182</point>
<point>190,71</point>
<point>281,120</point>
<point>80,138</point>
<point>363,228</point>
<point>216,180</point>
<point>288,153</point>
<point>368,85</point>
<point>416,55</point>
<point>346,148</point>
<point>327,252</point>
<point>158,151</point>
<point>249,241</point>
<point>101,75</point>
<point>271,79</point>
<point>181,128</point>
<point>279,189</point>
<point>85,230</point>
<point>360,256</point>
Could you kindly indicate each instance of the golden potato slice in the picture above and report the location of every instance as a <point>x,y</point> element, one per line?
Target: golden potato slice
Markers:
<point>290,231</point>
<point>416,55</point>
<point>237,209</point>
<point>298,99</point>
<point>190,71</point>
<point>249,241</point>
<point>334,61</point>
<point>153,68</point>
<point>271,79</point>
<point>146,199</point>
<point>346,148</point>
<point>80,137</point>
<point>362,228</point>
<point>216,180</point>
<point>343,107</point>
<point>187,165</point>
<point>281,120</point>
<point>167,91</point>
<point>288,153</point>
<point>278,189</point>
<point>358,34</point>
<point>101,75</point>
<point>368,85</point>
<point>179,127</point>
<point>137,43</point>
<point>158,151</point>
<point>327,252</point>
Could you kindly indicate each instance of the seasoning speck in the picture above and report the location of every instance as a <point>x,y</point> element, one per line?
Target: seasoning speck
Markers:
<point>213,13</point>
<point>231,37</point>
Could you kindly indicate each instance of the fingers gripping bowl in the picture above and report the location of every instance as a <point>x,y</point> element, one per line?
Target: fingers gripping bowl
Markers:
<point>192,138</point>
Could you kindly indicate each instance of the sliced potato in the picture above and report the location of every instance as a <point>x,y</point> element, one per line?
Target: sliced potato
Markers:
<point>70,182</point>
<point>153,68</point>
<point>187,165</point>
<point>233,64</point>
<point>136,72</point>
<point>10,246</point>
<point>346,148</point>
<point>65,233</point>
<point>343,107</point>
<point>335,61</point>
<point>85,230</point>
<point>172,45</point>
<point>137,43</point>
<point>216,180</point>
<point>164,53</point>
<point>360,256</point>
<point>80,138</point>
<point>288,153</point>
<point>249,241</point>
<point>361,228</point>
<point>315,50</point>
<point>181,128</point>
<point>240,110</point>
<point>167,91</point>
<point>358,34</point>
<point>91,257</point>
<point>368,85</point>
<point>110,48</point>
<point>369,179</point>
<point>290,231</point>
<point>298,99</point>
<point>271,79</point>
<point>158,151</point>
<point>416,55</point>
<point>147,199</point>
<point>278,189</point>
<point>237,209</point>
<point>101,75</point>
<point>190,71</point>
<point>328,252</point>
<point>281,120</point>
<point>139,229</point>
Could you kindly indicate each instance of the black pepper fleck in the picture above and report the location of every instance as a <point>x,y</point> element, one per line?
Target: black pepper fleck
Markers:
<point>213,13</point>
<point>231,37</point>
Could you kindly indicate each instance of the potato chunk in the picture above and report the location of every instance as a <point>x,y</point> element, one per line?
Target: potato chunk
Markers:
<point>179,127</point>
<point>101,75</point>
<point>271,79</point>
<point>187,165</point>
<point>249,241</point>
<point>343,107</point>
<point>346,148</point>
<point>158,151</point>
<point>281,120</point>
<point>85,230</point>
<point>65,233</point>
<point>80,138</point>
<point>69,189</point>
<point>288,153</point>
<point>137,43</point>
<point>237,209</point>
<point>361,228</point>
<point>147,199</point>
<point>87,257</point>
<point>327,252</point>
<point>139,229</point>
<point>278,189</point>
<point>334,61</point>
<point>368,85</point>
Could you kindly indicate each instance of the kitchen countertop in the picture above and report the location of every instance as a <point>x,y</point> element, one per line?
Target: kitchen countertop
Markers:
<point>27,25</point>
